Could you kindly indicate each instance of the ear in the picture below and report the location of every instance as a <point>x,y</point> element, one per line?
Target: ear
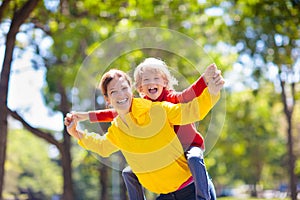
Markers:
<point>165,83</point>
<point>140,89</point>
<point>107,99</point>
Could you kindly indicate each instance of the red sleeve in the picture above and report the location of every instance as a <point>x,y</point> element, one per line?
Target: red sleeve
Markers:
<point>106,115</point>
<point>193,91</point>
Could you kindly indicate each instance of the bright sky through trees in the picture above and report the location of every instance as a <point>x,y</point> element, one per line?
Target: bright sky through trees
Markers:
<point>25,88</point>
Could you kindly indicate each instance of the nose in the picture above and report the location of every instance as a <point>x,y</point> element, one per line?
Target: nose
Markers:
<point>151,82</point>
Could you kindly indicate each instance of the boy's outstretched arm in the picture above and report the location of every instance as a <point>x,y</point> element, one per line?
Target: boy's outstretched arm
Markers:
<point>80,116</point>
<point>198,86</point>
<point>90,141</point>
<point>106,115</point>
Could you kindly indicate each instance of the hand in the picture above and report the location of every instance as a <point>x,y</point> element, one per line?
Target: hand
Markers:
<point>216,83</point>
<point>68,119</point>
<point>71,124</point>
<point>210,72</point>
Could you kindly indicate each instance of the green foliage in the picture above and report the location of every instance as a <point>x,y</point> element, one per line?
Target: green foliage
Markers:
<point>29,166</point>
<point>250,145</point>
<point>89,23</point>
<point>86,175</point>
<point>251,148</point>
<point>267,30</point>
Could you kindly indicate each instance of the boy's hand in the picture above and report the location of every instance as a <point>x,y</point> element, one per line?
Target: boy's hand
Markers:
<point>68,119</point>
<point>216,83</point>
<point>209,73</point>
<point>71,125</point>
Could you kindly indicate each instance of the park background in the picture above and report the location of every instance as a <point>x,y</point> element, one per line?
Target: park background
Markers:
<point>43,44</point>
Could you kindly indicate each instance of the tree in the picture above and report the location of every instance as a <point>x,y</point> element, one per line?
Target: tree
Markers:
<point>253,140</point>
<point>25,172</point>
<point>77,27</point>
<point>268,32</point>
<point>19,16</point>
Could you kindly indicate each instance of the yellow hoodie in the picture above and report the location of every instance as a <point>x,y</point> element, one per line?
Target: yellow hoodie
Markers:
<point>148,141</point>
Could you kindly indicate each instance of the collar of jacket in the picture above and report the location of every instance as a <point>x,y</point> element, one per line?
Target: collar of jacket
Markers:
<point>162,96</point>
<point>139,109</point>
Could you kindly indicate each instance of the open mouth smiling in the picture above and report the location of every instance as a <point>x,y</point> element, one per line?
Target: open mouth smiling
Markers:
<point>152,90</point>
<point>122,101</point>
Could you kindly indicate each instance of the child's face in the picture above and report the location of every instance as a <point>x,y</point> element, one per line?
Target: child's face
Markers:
<point>152,84</point>
<point>119,95</point>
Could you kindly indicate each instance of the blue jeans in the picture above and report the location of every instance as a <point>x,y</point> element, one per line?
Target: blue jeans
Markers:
<point>134,188</point>
<point>205,189</point>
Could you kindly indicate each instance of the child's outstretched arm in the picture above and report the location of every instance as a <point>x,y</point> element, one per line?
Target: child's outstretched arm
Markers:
<point>90,141</point>
<point>106,115</point>
<point>198,86</point>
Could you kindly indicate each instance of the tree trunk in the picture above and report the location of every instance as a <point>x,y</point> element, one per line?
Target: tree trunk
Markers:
<point>19,18</point>
<point>68,192</point>
<point>3,8</point>
<point>293,184</point>
<point>64,147</point>
<point>103,179</point>
<point>288,111</point>
<point>66,159</point>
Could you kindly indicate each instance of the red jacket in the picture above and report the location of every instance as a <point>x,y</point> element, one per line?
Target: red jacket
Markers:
<point>187,134</point>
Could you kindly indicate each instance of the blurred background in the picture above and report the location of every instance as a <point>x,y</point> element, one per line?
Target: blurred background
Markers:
<point>50,49</point>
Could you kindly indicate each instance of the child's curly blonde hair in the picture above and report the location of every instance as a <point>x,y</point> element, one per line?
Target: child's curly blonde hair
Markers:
<point>157,66</point>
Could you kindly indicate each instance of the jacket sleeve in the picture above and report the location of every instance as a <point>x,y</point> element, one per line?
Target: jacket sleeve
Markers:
<point>192,91</point>
<point>97,143</point>
<point>195,110</point>
<point>106,115</point>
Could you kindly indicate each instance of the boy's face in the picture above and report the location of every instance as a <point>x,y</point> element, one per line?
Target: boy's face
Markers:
<point>152,84</point>
<point>119,95</point>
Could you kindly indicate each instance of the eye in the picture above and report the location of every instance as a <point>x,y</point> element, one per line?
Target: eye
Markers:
<point>125,88</point>
<point>112,91</point>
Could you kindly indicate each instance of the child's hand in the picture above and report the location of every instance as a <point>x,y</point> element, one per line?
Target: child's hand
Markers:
<point>71,125</point>
<point>210,72</point>
<point>68,119</point>
<point>216,83</point>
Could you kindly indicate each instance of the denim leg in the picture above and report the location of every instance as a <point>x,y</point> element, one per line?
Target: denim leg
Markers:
<point>198,170</point>
<point>212,190</point>
<point>134,188</point>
